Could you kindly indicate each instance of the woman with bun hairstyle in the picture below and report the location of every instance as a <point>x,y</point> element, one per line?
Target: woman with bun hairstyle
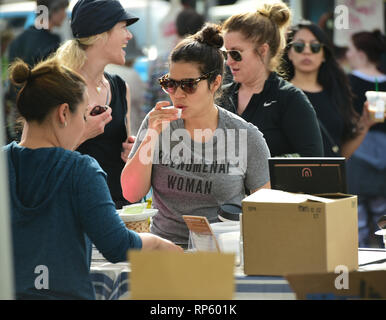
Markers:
<point>204,159</point>
<point>59,198</point>
<point>366,170</point>
<point>312,67</point>
<point>364,54</point>
<point>100,31</point>
<point>254,43</point>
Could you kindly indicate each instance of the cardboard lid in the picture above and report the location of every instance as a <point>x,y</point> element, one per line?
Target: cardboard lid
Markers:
<point>278,196</point>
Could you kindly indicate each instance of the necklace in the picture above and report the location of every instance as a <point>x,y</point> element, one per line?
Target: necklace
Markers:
<point>99,87</point>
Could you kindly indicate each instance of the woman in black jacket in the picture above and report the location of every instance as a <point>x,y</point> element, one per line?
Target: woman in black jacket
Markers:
<point>254,43</point>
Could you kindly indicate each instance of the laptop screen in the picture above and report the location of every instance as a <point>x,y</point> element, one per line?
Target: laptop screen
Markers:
<point>308,175</point>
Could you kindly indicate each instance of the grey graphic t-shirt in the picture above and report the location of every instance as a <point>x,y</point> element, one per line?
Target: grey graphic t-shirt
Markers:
<point>193,178</point>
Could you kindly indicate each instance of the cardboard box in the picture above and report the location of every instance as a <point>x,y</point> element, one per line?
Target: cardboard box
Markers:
<point>287,233</point>
<point>331,286</point>
<point>169,275</point>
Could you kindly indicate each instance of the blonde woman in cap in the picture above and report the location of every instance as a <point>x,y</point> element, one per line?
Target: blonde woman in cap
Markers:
<point>101,34</point>
<point>137,87</point>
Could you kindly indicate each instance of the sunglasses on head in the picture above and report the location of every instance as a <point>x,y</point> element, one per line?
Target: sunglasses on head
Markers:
<point>300,46</point>
<point>189,86</point>
<point>235,54</point>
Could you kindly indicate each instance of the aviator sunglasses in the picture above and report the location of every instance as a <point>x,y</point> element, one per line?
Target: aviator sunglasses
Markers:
<point>235,54</point>
<point>300,46</point>
<point>189,86</point>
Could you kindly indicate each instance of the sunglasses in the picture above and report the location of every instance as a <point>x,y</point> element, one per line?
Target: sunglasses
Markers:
<point>189,86</point>
<point>235,54</point>
<point>300,46</point>
<point>98,110</point>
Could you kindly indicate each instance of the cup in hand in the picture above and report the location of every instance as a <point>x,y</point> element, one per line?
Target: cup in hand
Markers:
<point>172,107</point>
<point>377,101</point>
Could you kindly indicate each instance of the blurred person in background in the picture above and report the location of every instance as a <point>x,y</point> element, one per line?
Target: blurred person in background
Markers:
<point>59,198</point>
<point>8,111</point>
<point>189,4</point>
<point>366,170</point>
<point>6,38</point>
<point>254,44</point>
<point>34,45</point>
<point>188,22</point>
<point>100,31</point>
<point>364,55</point>
<point>312,67</point>
<point>203,177</point>
<point>135,83</point>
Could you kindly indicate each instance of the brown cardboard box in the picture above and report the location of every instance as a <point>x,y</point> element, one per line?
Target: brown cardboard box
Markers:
<point>287,233</point>
<point>168,275</point>
<point>332,286</point>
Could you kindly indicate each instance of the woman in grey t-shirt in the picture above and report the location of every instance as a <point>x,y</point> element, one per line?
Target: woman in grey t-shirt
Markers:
<point>196,156</point>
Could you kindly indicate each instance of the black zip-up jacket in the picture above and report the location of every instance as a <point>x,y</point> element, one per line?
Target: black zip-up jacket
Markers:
<point>283,114</point>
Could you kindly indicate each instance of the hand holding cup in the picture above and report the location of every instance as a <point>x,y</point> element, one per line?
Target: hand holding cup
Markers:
<point>161,115</point>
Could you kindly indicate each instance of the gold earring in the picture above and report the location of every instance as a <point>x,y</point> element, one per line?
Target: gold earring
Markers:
<point>65,123</point>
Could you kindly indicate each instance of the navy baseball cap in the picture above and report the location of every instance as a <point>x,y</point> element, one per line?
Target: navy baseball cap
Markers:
<point>92,17</point>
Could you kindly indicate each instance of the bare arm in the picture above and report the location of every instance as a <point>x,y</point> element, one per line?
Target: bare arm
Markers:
<point>266,186</point>
<point>365,123</point>
<point>349,147</point>
<point>153,242</point>
<point>136,175</point>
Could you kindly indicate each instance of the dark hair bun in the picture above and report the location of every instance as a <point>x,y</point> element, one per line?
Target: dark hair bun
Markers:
<point>379,36</point>
<point>211,35</point>
<point>377,33</point>
<point>380,41</point>
<point>19,73</point>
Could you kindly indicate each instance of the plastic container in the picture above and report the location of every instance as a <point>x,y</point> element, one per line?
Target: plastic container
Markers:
<point>228,237</point>
<point>382,233</point>
<point>377,101</point>
<point>139,222</point>
<point>382,225</point>
<point>134,208</point>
